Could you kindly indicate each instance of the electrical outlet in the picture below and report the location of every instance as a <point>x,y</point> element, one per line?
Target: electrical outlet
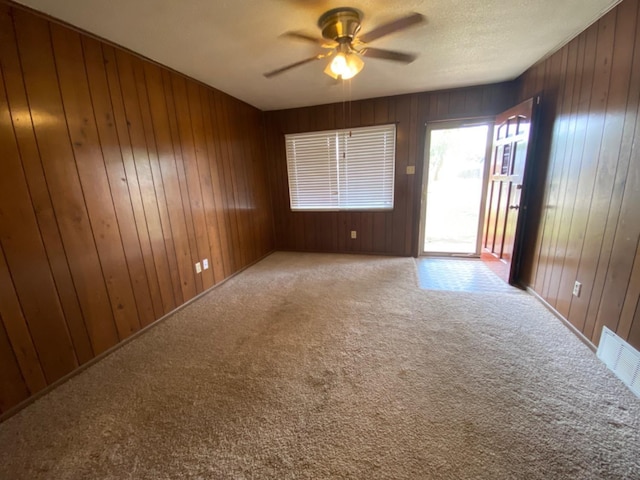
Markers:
<point>354,234</point>
<point>411,170</point>
<point>205,264</point>
<point>577,289</point>
<point>198,268</point>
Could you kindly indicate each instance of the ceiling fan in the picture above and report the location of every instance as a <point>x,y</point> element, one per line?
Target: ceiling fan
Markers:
<point>340,28</point>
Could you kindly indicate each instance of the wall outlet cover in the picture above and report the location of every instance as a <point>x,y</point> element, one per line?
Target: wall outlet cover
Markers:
<point>577,289</point>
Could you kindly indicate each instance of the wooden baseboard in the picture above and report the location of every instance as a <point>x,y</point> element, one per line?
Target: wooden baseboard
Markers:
<point>13,410</point>
<point>566,322</point>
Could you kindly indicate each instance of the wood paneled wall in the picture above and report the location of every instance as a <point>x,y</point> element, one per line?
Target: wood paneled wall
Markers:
<point>116,177</point>
<point>588,214</point>
<point>393,232</point>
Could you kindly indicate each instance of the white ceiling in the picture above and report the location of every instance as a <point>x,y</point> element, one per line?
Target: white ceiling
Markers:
<point>229,44</point>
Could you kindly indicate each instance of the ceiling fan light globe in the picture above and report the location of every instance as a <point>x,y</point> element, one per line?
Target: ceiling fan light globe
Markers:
<point>339,64</point>
<point>354,64</point>
<point>344,66</point>
<point>329,72</point>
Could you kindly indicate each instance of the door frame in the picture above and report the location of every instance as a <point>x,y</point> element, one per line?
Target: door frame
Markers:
<point>441,125</point>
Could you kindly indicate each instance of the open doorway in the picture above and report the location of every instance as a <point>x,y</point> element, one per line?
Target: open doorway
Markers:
<point>454,187</point>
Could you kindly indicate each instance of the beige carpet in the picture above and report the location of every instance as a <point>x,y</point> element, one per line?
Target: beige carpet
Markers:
<point>311,366</point>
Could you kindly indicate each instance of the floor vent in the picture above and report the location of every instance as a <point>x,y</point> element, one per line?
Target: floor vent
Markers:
<point>621,358</point>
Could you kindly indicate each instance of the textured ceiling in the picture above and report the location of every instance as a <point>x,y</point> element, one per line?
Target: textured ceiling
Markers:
<point>229,44</point>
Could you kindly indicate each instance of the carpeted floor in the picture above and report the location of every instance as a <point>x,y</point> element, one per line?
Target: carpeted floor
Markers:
<point>310,366</point>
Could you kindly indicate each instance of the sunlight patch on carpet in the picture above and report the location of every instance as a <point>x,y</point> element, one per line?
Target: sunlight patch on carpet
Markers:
<point>459,275</point>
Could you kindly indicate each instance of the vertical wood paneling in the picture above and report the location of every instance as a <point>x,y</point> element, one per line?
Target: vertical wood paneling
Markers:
<point>391,232</point>
<point>556,70</point>
<point>401,224</point>
<point>577,188</point>
<point>565,102</point>
<point>30,156</point>
<point>113,185</point>
<point>589,226</point>
<point>220,126</point>
<point>617,302</point>
<point>414,188</point>
<point>216,184</point>
<point>185,131</point>
<point>237,170</point>
<point>634,334</point>
<point>86,148</point>
<point>63,182</point>
<point>170,180</point>
<point>204,175</point>
<point>128,159</point>
<point>613,165</point>
<point>12,385</point>
<point>182,180</point>
<point>594,166</point>
<point>142,169</point>
<point>630,294</point>
<point>112,157</point>
<point>18,332</point>
<point>27,261</point>
<point>158,184</point>
<point>259,174</point>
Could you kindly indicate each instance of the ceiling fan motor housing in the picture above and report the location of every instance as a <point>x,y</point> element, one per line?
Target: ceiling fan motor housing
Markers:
<point>340,24</point>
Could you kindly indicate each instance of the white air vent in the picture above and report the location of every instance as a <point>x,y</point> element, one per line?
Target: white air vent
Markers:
<point>621,358</point>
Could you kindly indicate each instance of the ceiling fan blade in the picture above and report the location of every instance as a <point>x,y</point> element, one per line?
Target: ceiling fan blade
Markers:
<point>293,65</point>
<point>394,26</point>
<point>323,42</point>
<point>388,55</point>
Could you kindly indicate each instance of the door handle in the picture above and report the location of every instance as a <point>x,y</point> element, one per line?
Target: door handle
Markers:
<point>514,207</point>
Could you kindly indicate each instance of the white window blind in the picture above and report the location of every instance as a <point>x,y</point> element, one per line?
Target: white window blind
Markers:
<point>351,169</point>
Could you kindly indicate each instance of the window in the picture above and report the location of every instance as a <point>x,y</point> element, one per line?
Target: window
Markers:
<point>349,169</point>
